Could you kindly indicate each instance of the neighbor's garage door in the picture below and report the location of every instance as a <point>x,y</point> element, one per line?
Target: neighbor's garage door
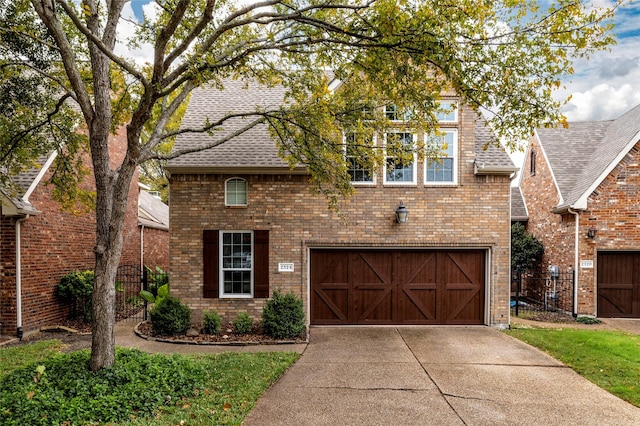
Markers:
<point>397,286</point>
<point>619,284</point>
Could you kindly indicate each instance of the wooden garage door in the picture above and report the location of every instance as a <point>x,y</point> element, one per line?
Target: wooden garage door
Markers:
<point>397,286</point>
<point>619,284</point>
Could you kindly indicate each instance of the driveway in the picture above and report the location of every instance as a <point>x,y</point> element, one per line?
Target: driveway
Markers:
<point>432,376</point>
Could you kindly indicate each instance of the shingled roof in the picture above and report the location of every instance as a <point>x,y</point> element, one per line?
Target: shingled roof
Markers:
<point>583,154</point>
<point>255,150</point>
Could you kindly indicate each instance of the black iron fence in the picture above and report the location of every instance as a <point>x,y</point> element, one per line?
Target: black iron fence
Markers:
<point>545,295</point>
<point>130,280</point>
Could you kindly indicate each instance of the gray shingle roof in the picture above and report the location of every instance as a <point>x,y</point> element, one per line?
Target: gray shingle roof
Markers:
<point>255,149</point>
<point>152,212</point>
<point>580,155</point>
<point>518,207</point>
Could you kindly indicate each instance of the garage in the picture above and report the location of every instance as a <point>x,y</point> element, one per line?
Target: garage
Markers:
<point>619,284</point>
<point>397,287</point>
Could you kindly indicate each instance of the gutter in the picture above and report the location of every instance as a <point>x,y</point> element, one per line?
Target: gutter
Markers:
<point>575,266</point>
<point>494,170</point>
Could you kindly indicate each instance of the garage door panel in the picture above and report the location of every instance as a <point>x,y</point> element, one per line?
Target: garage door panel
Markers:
<point>399,286</point>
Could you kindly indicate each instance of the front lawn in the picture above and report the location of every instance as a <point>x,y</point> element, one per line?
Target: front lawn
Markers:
<point>609,359</point>
<point>141,389</point>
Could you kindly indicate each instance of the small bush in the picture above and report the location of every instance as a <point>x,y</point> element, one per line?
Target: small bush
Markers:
<point>212,322</point>
<point>77,287</point>
<point>169,316</point>
<point>243,323</point>
<point>283,316</point>
<point>588,320</point>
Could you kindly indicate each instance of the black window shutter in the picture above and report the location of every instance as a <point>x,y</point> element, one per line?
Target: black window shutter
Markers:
<point>261,266</point>
<point>210,261</point>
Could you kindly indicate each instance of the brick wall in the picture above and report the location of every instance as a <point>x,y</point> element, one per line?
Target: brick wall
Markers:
<point>54,243</point>
<point>474,213</point>
<point>156,248</point>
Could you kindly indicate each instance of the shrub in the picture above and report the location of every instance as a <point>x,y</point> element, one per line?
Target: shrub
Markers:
<point>283,316</point>
<point>169,316</point>
<point>77,287</point>
<point>243,323</point>
<point>526,249</point>
<point>212,322</point>
<point>62,390</point>
<point>156,279</point>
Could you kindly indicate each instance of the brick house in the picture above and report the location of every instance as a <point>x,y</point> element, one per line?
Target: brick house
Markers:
<point>244,224</point>
<point>580,185</point>
<point>40,242</point>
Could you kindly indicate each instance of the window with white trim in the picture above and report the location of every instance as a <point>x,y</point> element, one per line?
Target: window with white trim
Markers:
<point>393,113</point>
<point>400,164</point>
<point>357,152</point>
<point>236,272</point>
<point>235,192</point>
<point>442,170</point>
<point>447,111</point>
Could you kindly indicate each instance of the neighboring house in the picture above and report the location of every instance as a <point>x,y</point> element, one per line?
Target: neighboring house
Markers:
<point>40,243</point>
<point>244,224</point>
<point>581,187</point>
<point>153,220</point>
<point>519,211</point>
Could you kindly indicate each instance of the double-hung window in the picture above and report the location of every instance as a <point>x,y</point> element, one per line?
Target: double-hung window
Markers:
<point>447,111</point>
<point>358,156</point>
<point>443,169</point>
<point>236,254</point>
<point>393,113</point>
<point>400,164</point>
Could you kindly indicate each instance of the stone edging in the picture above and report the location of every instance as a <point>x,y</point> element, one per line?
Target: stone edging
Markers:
<point>204,343</point>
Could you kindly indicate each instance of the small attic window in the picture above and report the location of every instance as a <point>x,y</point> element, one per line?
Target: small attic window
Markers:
<point>235,192</point>
<point>532,163</point>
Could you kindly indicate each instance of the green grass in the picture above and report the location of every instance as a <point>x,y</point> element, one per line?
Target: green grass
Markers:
<point>15,357</point>
<point>141,389</point>
<point>609,359</point>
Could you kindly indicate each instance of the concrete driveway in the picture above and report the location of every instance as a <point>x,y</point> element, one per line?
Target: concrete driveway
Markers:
<point>432,376</point>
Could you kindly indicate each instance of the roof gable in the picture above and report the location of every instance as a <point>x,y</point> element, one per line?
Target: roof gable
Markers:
<point>152,212</point>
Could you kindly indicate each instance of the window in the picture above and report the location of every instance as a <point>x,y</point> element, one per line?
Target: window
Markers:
<point>448,112</point>
<point>394,114</point>
<point>357,156</point>
<point>236,192</point>
<point>400,163</point>
<point>235,264</point>
<point>444,169</point>
<point>532,165</point>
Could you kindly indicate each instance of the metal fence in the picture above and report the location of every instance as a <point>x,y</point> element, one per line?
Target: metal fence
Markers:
<point>130,280</point>
<point>546,295</point>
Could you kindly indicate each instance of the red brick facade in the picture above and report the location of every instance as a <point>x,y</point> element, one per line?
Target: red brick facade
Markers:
<point>156,248</point>
<point>474,213</point>
<point>612,208</point>
<point>53,244</point>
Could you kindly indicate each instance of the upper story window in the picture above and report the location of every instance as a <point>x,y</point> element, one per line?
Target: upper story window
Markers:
<point>236,273</point>
<point>443,170</point>
<point>357,150</point>
<point>532,165</point>
<point>393,113</point>
<point>235,192</point>
<point>400,164</point>
<point>447,112</point>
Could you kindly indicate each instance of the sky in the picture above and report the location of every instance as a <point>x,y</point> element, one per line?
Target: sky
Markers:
<point>602,88</point>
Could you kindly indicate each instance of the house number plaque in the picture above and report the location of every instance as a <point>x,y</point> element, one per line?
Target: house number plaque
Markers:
<point>587,264</point>
<point>285,267</point>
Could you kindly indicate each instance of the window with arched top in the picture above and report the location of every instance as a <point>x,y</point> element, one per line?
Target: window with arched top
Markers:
<point>235,192</point>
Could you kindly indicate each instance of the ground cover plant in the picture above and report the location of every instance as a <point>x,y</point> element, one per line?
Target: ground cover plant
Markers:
<point>15,357</point>
<point>140,389</point>
<point>607,358</point>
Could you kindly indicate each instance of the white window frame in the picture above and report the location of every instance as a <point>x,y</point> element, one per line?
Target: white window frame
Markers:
<point>226,192</point>
<point>454,156</point>
<point>414,178</point>
<point>346,158</point>
<point>222,294</point>
<point>404,115</point>
<point>451,102</point>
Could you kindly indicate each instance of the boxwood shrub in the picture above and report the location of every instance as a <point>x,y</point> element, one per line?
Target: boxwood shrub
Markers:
<point>283,316</point>
<point>169,316</point>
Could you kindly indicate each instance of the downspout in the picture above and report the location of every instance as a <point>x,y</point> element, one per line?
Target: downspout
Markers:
<point>575,266</point>
<point>19,331</point>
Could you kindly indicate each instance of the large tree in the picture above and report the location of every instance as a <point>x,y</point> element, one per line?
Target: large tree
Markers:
<point>502,57</point>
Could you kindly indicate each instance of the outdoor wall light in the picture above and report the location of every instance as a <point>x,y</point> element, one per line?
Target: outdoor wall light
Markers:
<point>591,233</point>
<point>402,213</point>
